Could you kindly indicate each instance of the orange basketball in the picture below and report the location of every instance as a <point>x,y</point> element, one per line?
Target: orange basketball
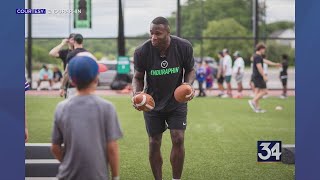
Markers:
<point>144,102</point>
<point>183,93</point>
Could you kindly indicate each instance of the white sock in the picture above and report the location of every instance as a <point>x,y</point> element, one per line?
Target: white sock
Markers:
<point>175,179</point>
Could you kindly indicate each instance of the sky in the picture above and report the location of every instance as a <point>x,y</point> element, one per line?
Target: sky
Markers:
<point>137,14</point>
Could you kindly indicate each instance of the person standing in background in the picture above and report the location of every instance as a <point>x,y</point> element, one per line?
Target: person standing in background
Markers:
<point>220,74</point>
<point>209,76</point>
<point>58,52</point>
<point>227,72</point>
<point>66,87</point>
<point>201,77</point>
<point>284,75</point>
<point>238,71</point>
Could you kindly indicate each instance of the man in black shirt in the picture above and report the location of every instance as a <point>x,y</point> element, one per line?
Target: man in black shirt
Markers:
<point>284,75</point>
<point>78,47</point>
<point>167,61</point>
<point>58,52</point>
<point>259,79</point>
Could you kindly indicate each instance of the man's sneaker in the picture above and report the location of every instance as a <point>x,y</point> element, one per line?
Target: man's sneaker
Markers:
<point>220,94</point>
<point>225,96</point>
<point>265,96</point>
<point>283,97</point>
<point>260,111</point>
<point>252,105</point>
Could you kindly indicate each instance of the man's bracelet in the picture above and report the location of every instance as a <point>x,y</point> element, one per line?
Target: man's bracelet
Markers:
<point>187,83</point>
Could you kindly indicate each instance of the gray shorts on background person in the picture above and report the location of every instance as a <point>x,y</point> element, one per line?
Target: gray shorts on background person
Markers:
<point>239,77</point>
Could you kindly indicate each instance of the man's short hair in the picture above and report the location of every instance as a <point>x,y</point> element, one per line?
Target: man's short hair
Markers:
<point>285,56</point>
<point>260,46</point>
<point>160,20</point>
<point>78,38</point>
<point>71,35</point>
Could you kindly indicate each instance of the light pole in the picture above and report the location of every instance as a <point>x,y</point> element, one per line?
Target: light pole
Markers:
<point>121,42</point>
<point>255,20</point>
<point>178,19</point>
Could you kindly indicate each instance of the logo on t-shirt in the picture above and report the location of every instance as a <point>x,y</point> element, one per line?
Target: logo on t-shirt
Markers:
<point>164,64</point>
<point>161,72</point>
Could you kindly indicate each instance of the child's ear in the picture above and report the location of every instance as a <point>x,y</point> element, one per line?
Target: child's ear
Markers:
<point>96,80</point>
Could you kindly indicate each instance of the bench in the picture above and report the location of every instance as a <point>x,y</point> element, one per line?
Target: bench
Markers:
<point>39,161</point>
<point>288,154</point>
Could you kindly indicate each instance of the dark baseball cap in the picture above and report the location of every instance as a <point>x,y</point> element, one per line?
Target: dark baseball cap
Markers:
<point>78,38</point>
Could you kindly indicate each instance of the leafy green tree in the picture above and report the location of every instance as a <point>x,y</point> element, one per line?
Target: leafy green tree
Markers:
<point>197,13</point>
<point>226,28</point>
<point>275,51</point>
<point>280,25</point>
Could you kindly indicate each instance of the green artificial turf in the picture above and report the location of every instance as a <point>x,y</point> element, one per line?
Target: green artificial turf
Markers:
<point>220,141</point>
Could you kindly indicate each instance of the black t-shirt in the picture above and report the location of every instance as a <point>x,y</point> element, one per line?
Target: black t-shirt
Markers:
<point>73,53</point>
<point>285,65</point>
<point>63,56</point>
<point>256,60</point>
<point>164,74</point>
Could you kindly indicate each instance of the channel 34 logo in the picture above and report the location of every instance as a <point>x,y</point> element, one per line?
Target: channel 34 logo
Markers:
<point>269,151</point>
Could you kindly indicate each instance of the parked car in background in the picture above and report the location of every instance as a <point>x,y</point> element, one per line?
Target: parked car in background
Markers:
<point>106,78</point>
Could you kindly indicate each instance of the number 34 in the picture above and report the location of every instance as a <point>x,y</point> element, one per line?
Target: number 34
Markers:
<point>275,151</point>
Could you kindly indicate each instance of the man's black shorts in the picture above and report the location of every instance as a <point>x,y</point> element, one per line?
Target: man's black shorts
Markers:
<point>221,80</point>
<point>259,83</point>
<point>157,122</point>
<point>284,79</point>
